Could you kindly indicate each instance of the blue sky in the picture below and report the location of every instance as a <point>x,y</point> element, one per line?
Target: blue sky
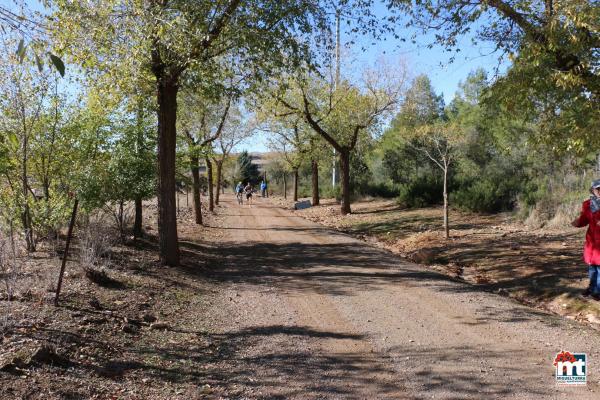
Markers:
<point>434,62</point>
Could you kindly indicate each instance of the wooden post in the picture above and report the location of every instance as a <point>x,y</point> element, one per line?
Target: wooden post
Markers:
<point>66,254</point>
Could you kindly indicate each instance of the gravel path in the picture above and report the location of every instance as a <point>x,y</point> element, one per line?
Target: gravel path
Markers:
<point>323,315</point>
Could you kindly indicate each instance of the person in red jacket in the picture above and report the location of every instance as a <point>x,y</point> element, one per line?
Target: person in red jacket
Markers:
<point>590,216</point>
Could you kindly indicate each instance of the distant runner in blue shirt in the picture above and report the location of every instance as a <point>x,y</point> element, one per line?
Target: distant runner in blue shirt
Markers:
<point>239,190</point>
<point>263,189</point>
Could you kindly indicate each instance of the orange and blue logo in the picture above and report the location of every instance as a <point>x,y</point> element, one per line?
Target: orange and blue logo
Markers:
<point>571,368</point>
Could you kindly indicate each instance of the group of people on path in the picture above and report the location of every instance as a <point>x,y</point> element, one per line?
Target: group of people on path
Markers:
<point>248,190</point>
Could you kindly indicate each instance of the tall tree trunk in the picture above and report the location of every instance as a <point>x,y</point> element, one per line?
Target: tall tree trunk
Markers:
<point>27,227</point>
<point>284,187</point>
<point>46,188</point>
<point>167,133</point>
<point>137,222</point>
<point>446,227</point>
<point>121,220</point>
<point>209,176</point>
<point>219,179</point>
<point>345,180</point>
<point>52,233</point>
<point>194,162</point>
<point>315,183</point>
<point>26,213</point>
<point>296,184</point>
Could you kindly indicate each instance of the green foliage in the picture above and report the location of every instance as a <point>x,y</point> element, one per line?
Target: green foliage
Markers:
<point>495,191</point>
<point>420,106</point>
<point>402,162</point>
<point>381,189</point>
<point>248,172</point>
<point>131,172</point>
<point>421,191</point>
<point>406,149</point>
<point>360,174</point>
<point>126,168</point>
<point>553,47</point>
<point>492,160</point>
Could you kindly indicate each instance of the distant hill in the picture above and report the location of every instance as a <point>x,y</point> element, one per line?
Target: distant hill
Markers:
<point>260,159</point>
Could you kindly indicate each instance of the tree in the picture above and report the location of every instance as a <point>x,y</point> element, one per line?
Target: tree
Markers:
<point>492,167</point>
<point>291,140</point>
<point>421,125</point>
<point>277,169</point>
<point>342,112</point>
<point>202,121</point>
<point>237,128</point>
<point>22,104</point>
<point>420,106</point>
<point>562,37</point>
<point>553,46</point>
<point>248,172</point>
<point>171,38</point>
<point>129,177</point>
<point>297,143</point>
<point>144,169</point>
<point>132,168</point>
<point>443,137</point>
<point>317,148</point>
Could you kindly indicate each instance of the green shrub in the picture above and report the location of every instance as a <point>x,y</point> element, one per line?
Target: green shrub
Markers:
<point>328,192</point>
<point>494,191</point>
<point>382,189</point>
<point>423,191</point>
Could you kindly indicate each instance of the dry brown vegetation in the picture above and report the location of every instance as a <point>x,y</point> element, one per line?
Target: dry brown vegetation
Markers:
<point>125,328</point>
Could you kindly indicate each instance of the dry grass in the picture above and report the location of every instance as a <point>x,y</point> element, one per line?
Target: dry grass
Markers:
<point>564,214</point>
<point>418,241</point>
<point>9,265</point>
<point>96,240</point>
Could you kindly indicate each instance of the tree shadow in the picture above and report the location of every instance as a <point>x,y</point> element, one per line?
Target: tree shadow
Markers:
<point>468,372</point>
<point>237,362</point>
<point>334,269</point>
<point>345,269</point>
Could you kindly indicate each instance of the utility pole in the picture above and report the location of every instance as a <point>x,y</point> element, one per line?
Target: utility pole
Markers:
<point>337,47</point>
<point>337,75</point>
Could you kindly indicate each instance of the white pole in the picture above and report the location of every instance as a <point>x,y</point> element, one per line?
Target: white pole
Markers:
<point>337,76</point>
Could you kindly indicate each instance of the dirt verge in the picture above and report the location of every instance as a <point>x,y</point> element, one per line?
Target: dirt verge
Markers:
<point>540,267</point>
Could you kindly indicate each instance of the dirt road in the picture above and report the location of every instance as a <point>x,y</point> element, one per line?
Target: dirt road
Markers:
<point>323,315</point>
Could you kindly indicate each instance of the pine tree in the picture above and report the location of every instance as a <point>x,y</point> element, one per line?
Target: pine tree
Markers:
<point>248,172</point>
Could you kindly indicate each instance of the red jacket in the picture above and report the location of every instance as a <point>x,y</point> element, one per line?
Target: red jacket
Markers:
<point>591,250</point>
